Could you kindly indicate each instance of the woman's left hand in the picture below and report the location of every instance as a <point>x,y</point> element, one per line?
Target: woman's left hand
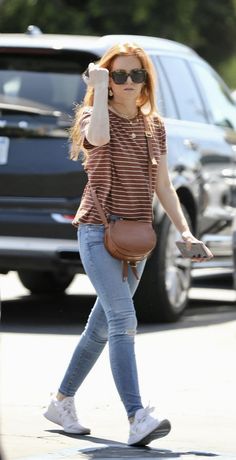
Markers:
<point>188,237</point>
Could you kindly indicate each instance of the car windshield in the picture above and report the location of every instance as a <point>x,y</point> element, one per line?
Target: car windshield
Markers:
<point>38,80</point>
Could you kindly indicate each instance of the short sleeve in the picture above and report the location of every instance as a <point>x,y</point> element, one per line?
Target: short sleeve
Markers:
<point>84,121</point>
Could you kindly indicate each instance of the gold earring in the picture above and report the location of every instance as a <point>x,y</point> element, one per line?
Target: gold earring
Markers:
<point>110,92</point>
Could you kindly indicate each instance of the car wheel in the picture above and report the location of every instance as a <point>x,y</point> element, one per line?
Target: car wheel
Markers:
<point>45,282</point>
<point>162,295</point>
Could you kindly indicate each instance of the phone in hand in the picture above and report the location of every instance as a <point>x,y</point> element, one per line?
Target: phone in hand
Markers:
<point>198,250</point>
<point>85,75</point>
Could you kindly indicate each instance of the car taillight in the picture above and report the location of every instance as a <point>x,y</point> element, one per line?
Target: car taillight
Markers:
<point>63,218</point>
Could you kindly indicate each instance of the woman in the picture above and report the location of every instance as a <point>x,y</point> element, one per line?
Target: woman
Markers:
<point>109,128</point>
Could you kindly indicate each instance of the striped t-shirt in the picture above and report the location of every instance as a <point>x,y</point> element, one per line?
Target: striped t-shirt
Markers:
<point>118,170</point>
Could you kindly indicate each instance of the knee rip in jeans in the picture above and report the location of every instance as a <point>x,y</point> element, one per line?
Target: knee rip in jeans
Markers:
<point>130,332</point>
<point>124,323</point>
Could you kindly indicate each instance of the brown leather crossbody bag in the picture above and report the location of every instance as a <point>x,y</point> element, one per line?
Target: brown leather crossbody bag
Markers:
<point>129,240</point>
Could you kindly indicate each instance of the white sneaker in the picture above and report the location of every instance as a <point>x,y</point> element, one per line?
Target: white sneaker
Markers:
<point>146,428</point>
<point>64,413</point>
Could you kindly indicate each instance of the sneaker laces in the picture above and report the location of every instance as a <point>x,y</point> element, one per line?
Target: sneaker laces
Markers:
<point>68,408</point>
<point>142,415</point>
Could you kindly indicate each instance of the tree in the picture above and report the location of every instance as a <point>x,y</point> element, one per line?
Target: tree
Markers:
<point>216,22</point>
<point>206,25</point>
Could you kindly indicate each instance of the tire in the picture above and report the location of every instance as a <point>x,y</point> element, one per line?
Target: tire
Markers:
<point>45,282</point>
<point>234,252</point>
<point>162,295</point>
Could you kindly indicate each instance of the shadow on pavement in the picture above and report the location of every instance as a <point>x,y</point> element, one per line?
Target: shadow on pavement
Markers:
<point>67,314</point>
<point>108,449</point>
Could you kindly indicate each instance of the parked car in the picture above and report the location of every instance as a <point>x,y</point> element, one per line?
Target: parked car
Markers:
<point>40,188</point>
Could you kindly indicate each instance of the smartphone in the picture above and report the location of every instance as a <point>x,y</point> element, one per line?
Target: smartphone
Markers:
<point>198,250</point>
<point>85,76</point>
<point>86,73</point>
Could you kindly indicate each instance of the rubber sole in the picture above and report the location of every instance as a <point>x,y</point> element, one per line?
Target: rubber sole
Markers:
<point>162,430</point>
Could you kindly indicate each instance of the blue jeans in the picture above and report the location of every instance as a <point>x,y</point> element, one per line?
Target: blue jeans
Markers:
<point>112,319</point>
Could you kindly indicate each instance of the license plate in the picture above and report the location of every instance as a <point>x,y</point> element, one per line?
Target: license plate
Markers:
<point>4,149</point>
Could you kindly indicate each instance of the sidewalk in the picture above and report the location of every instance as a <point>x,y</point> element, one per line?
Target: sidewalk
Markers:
<point>192,383</point>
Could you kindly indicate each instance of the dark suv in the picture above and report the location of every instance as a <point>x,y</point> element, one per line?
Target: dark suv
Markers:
<point>40,188</point>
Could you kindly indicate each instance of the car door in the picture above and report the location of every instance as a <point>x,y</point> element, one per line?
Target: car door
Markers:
<point>194,136</point>
<point>221,112</point>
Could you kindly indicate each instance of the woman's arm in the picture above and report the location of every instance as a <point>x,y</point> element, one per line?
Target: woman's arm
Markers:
<point>170,201</point>
<point>98,130</point>
<point>171,204</point>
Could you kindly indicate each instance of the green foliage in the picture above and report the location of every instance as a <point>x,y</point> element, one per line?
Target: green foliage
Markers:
<point>50,16</point>
<point>228,72</point>
<point>209,26</point>
<point>216,22</point>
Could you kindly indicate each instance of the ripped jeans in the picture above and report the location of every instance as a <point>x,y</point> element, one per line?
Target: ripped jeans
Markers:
<point>112,319</point>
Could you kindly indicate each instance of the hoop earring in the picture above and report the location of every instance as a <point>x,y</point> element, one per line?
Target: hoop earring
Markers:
<point>110,92</point>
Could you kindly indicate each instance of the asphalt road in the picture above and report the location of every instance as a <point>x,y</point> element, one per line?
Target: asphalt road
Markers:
<point>187,370</point>
<point>21,311</point>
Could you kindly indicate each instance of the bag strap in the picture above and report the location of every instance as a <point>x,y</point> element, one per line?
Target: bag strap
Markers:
<point>149,136</point>
<point>101,213</point>
<point>152,161</point>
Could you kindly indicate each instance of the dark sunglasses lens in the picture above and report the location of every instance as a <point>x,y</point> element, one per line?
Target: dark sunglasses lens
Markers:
<point>119,77</point>
<point>138,75</point>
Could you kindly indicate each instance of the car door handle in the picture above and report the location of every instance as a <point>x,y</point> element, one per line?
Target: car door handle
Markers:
<point>189,144</point>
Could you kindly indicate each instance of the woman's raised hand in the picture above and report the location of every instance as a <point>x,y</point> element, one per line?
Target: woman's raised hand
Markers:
<point>97,76</point>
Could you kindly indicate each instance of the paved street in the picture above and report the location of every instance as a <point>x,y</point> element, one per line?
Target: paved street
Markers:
<point>187,370</point>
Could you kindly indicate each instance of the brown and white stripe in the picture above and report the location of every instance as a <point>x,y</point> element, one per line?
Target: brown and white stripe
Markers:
<point>118,171</point>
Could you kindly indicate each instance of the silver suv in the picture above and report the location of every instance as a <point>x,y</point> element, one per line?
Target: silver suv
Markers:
<point>40,189</point>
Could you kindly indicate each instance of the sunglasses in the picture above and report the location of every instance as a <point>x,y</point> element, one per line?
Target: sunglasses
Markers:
<point>121,76</point>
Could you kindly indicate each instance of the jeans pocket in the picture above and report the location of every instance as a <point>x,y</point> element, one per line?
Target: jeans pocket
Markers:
<point>95,237</point>
<point>91,234</point>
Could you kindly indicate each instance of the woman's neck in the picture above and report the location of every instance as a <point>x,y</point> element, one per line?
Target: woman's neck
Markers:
<point>124,110</point>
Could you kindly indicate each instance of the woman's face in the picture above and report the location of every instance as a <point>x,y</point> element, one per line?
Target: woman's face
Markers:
<point>129,90</point>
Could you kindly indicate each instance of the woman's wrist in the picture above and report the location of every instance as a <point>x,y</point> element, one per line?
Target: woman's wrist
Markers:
<point>188,237</point>
<point>186,234</point>
<point>101,86</point>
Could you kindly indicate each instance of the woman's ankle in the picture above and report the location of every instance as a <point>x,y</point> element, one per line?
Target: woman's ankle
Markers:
<point>60,396</point>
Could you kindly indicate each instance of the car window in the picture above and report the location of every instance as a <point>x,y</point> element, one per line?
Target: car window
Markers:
<point>165,102</point>
<point>53,82</point>
<point>51,89</point>
<point>221,107</point>
<point>184,89</point>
